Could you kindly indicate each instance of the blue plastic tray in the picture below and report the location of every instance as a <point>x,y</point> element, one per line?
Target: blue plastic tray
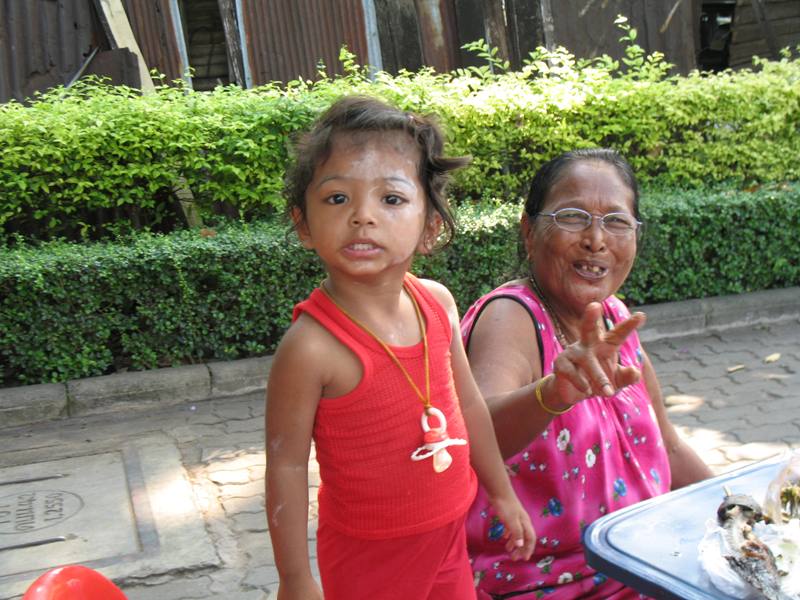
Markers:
<point>652,546</point>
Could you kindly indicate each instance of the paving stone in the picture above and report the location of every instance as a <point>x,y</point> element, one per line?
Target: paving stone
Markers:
<point>229,476</point>
<point>234,506</point>
<point>775,431</point>
<point>190,433</point>
<point>754,451</point>
<point>255,522</point>
<point>265,576</point>
<point>245,425</point>
<point>244,595</point>
<point>787,408</point>
<point>177,589</point>
<point>244,490</point>
<point>232,410</point>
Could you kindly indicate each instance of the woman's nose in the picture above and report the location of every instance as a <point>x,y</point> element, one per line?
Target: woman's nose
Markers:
<point>594,236</point>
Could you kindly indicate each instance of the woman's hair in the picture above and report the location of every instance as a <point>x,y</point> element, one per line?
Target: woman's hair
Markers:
<point>360,114</point>
<point>550,172</point>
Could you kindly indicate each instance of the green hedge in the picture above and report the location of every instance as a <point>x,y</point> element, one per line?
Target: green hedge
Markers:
<point>77,163</point>
<point>75,310</point>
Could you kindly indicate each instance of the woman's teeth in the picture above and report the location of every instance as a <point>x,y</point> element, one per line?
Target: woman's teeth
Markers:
<point>593,269</point>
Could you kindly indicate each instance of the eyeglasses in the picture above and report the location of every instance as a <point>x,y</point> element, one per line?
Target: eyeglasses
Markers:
<point>577,219</point>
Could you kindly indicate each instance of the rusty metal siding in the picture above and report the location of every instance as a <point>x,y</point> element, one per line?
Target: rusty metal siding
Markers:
<point>750,34</point>
<point>154,31</point>
<point>43,44</point>
<point>286,39</point>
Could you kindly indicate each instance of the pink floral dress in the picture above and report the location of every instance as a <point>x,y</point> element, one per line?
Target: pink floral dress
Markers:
<point>604,454</point>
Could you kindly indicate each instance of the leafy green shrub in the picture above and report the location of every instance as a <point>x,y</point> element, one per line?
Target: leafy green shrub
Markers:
<point>701,243</point>
<point>70,310</point>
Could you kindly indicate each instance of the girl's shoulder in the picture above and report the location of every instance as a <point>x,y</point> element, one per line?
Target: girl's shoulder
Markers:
<point>441,296</point>
<point>438,290</point>
<point>307,339</point>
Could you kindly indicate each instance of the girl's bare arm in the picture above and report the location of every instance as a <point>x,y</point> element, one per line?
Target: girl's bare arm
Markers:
<point>484,451</point>
<point>293,393</point>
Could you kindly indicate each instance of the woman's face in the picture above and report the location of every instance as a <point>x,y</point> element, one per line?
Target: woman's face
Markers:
<point>575,268</point>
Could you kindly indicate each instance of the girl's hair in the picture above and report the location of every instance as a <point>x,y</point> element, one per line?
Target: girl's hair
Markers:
<point>359,114</point>
<point>550,172</point>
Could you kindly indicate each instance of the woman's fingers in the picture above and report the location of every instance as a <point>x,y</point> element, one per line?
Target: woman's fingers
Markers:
<point>623,329</point>
<point>626,376</point>
<point>566,370</point>
<point>600,381</point>
<point>591,365</point>
<point>590,324</point>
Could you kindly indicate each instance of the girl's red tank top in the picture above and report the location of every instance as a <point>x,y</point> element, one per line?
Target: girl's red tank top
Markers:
<point>370,488</point>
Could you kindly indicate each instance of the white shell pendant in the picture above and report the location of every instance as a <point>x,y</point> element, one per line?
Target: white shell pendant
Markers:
<point>441,460</point>
<point>436,441</point>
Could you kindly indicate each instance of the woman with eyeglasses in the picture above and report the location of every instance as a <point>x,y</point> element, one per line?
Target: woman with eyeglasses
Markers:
<point>576,404</point>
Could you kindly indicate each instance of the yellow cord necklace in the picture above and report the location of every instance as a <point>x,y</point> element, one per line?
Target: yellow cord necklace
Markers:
<point>435,438</point>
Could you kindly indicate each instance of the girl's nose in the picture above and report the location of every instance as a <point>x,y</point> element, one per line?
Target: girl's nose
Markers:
<point>362,214</point>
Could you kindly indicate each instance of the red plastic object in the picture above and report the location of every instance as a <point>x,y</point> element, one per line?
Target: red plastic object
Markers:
<point>75,582</point>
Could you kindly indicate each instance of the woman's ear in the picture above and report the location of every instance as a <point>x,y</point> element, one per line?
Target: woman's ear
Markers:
<point>526,228</point>
<point>430,234</point>
<point>301,227</point>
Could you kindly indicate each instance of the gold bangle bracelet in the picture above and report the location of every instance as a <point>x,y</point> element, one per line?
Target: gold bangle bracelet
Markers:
<point>538,392</point>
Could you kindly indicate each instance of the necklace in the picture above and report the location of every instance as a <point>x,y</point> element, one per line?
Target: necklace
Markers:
<point>562,339</point>
<point>435,439</point>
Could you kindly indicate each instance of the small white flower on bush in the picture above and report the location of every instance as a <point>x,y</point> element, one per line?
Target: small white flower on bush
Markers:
<point>563,439</point>
<point>590,458</point>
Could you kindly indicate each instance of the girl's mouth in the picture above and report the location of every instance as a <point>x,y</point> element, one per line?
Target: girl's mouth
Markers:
<point>362,247</point>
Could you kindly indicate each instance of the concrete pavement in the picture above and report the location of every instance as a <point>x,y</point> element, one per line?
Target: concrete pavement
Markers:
<point>168,499</point>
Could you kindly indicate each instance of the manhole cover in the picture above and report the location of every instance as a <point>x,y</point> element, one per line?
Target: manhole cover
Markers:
<point>128,512</point>
<point>75,510</point>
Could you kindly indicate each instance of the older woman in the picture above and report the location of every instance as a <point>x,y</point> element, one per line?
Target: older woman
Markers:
<point>576,404</point>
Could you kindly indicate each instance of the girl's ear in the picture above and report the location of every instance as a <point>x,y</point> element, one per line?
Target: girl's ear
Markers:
<point>301,227</point>
<point>430,234</point>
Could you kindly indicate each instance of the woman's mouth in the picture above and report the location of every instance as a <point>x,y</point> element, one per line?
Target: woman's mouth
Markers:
<point>590,270</point>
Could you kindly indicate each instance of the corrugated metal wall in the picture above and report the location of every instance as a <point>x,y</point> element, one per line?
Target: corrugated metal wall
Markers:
<point>286,38</point>
<point>154,31</point>
<point>752,36</point>
<point>44,44</point>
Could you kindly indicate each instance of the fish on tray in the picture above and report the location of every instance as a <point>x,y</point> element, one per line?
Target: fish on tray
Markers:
<point>751,559</point>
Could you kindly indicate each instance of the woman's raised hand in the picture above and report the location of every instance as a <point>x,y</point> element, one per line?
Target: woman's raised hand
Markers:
<point>590,366</point>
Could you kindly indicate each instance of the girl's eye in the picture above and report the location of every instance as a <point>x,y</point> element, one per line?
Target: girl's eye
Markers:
<point>336,199</point>
<point>393,200</point>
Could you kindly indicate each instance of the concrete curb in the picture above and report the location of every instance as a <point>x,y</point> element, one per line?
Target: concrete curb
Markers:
<point>139,389</point>
<point>690,317</point>
<point>218,380</point>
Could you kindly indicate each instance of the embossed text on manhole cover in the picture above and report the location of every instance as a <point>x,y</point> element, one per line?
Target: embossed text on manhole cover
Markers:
<point>74,510</point>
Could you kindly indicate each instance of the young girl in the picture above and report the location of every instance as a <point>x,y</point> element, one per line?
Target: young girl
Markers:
<point>374,370</point>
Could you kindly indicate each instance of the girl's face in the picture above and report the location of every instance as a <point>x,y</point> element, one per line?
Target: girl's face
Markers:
<point>366,209</point>
<point>574,269</point>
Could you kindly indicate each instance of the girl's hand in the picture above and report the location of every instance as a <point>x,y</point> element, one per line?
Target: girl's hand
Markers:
<point>590,366</point>
<point>302,589</point>
<point>519,534</point>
